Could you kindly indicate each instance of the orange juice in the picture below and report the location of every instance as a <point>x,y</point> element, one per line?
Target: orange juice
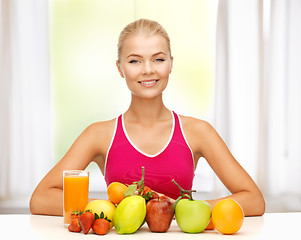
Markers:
<point>76,191</point>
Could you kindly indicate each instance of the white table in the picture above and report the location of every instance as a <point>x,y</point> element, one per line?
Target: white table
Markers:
<point>270,225</point>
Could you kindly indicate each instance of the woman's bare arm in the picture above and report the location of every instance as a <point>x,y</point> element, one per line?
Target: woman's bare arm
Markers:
<point>92,144</point>
<point>206,141</point>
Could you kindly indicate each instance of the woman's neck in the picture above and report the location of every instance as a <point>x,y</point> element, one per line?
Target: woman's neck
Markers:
<point>147,110</point>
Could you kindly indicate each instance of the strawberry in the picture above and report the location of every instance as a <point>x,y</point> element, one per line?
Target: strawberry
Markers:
<point>146,190</point>
<point>155,195</point>
<point>149,194</point>
<point>74,214</point>
<point>74,226</point>
<point>101,225</point>
<point>86,221</point>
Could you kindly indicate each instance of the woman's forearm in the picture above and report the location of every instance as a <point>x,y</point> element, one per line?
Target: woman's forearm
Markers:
<point>48,202</point>
<point>252,204</point>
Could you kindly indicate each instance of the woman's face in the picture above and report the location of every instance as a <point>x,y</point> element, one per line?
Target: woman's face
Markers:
<point>145,63</point>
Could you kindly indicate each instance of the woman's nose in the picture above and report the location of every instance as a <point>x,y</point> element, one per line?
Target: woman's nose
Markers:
<point>148,68</point>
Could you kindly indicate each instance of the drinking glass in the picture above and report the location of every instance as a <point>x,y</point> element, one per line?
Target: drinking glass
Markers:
<point>76,191</point>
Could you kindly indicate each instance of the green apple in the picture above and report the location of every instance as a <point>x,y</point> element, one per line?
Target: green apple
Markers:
<point>192,216</point>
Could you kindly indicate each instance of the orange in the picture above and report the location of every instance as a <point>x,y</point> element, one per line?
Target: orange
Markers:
<point>115,192</point>
<point>227,216</point>
<point>210,225</point>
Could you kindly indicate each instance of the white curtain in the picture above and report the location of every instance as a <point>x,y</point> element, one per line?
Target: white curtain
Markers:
<point>258,100</point>
<point>283,112</point>
<point>25,141</point>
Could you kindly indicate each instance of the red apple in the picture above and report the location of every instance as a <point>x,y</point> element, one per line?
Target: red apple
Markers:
<point>159,214</point>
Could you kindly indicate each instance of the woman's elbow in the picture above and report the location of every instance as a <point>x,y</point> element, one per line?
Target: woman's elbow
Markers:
<point>47,202</point>
<point>33,204</point>
<point>261,206</point>
<point>258,205</point>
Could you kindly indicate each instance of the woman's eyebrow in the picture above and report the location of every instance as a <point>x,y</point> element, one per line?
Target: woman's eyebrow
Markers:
<point>134,55</point>
<point>137,55</point>
<point>158,53</point>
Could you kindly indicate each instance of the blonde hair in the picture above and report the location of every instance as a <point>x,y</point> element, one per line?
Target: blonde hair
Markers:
<point>146,26</point>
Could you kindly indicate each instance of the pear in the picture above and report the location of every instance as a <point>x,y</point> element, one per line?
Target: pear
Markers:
<point>129,214</point>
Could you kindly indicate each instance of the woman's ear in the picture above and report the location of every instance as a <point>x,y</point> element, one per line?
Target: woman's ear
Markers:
<point>119,69</point>
<point>171,64</point>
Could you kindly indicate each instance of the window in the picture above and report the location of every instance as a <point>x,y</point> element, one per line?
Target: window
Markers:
<point>86,86</point>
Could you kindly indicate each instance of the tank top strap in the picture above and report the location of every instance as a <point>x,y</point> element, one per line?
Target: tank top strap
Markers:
<point>118,137</point>
<point>179,135</point>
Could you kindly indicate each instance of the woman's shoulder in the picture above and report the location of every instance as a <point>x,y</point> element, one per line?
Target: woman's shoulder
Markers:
<point>103,129</point>
<point>195,125</point>
<point>198,133</point>
<point>100,125</point>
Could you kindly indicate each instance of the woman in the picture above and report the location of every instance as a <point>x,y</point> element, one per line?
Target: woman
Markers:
<point>148,134</point>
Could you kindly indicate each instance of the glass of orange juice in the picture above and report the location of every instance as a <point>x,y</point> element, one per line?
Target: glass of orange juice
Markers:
<point>76,191</point>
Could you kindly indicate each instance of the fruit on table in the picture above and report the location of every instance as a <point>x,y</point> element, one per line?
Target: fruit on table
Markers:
<point>227,216</point>
<point>74,225</point>
<point>74,214</point>
<point>159,214</point>
<point>129,214</point>
<point>210,225</point>
<point>86,220</point>
<point>149,194</point>
<point>116,191</point>
<point>101,224</point>
<point>138,188</point>
<point>192,216</point>
<point>105,206</point>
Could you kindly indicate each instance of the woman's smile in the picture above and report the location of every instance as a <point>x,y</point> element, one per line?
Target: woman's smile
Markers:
<point>148,83</point>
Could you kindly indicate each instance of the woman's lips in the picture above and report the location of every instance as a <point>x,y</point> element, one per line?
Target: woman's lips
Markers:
<point>149,83</point>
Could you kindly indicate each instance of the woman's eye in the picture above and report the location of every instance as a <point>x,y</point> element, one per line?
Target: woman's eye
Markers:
<point>133,61</point>
<point>159,60</point>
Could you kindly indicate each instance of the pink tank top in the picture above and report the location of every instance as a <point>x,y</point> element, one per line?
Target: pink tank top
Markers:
<point>175,161</point>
